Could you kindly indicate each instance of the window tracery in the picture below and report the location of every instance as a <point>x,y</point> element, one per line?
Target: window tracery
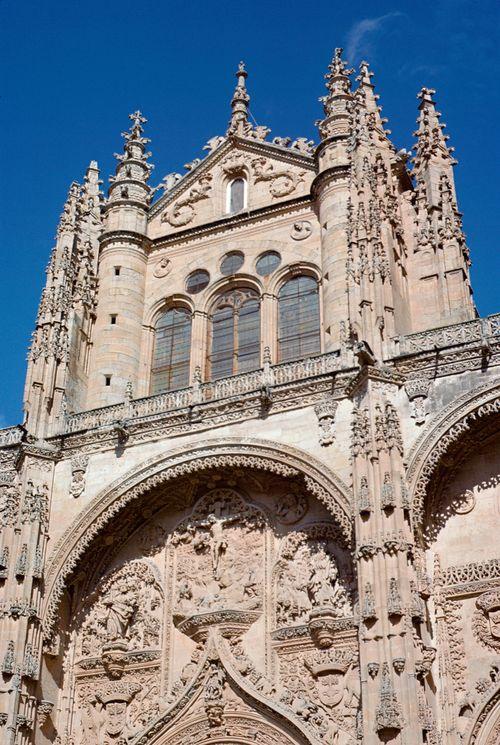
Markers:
<point>298,319</point>
<point>235,333</point>
<point>172,351</point>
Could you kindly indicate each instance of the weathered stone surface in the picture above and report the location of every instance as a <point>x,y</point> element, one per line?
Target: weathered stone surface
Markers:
<point>304,552</point>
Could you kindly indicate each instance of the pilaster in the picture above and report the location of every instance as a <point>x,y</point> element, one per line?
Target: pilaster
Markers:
<point>384,554</point>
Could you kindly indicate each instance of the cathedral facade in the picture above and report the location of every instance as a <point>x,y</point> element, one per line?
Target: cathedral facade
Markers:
<point>256,494</point>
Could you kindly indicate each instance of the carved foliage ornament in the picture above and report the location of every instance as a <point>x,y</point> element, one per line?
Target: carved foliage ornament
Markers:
<point>182,212</point>
<point>281,181</point>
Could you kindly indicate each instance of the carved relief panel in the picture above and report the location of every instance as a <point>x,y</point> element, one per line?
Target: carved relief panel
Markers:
<point>232,593</point>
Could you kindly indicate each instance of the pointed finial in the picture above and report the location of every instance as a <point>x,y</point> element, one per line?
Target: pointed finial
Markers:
<point>366,97</point>
<point>239,103</point>
<point>365,74</point>
<point>337,78</point>
<point>431,140</point>
<point>335,103</point>
<point>133,166</point>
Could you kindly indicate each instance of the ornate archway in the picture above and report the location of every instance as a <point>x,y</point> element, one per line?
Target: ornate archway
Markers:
<point>232,573</point>
<point>448,438</point>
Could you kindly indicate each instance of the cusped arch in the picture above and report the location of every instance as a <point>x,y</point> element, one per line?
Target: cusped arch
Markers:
<point>446,438</point>
<point>224,284</point>
<point>283,460</point>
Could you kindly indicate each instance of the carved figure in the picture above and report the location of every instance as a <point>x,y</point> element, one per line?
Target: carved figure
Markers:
<point>290,508</point>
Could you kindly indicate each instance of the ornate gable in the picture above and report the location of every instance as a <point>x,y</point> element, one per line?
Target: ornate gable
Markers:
<point>273,173</point>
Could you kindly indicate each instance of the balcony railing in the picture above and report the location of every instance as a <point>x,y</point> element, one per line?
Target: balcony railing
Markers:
<point>199,393</point>
<point>480,329</point>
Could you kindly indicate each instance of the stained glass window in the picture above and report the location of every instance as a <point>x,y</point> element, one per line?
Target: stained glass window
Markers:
<point>172,350</point>
<point>235,343</point>
<point>298,323</point>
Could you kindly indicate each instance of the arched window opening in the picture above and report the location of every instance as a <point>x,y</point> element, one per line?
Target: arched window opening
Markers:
<point>172,351</point>
<point>235,344</point>
<point>298,324</point>
<point>237,195</point>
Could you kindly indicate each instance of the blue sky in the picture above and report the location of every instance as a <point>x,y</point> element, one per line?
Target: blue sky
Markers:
<point>73,71</point>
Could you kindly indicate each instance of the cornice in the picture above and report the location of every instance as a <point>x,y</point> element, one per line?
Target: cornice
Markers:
<point>234,221</point>
<point>367,373</point>
<point>335,173</point>
<point>121,237</point>
<point>210,415</point>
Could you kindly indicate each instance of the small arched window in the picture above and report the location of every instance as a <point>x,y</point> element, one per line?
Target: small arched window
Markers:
<point>236,196</point>
<point>235,343</point>
<point>298,322</point>
<point>172,351</point>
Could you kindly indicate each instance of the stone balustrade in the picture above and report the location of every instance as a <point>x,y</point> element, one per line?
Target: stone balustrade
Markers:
<point>480,329</point>
<point>199,393</point>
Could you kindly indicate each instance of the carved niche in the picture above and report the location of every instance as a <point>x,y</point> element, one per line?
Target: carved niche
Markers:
<point>307,579</point>
<point>126,613</point>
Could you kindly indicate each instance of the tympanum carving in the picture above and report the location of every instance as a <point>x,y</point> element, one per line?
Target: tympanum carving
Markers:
<point>307,579</point>
<point>219,558</point>
<point>127,612</point>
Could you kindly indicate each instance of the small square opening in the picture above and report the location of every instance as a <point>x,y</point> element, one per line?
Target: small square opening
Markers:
<point>112,319</point>
<point>117,271</point>
<point>107,380</point>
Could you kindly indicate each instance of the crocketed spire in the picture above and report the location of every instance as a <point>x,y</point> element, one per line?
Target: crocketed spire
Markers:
<point>133,170</point>
<point>431,140</point>
<point>336,102</point>
<point>367,99</point>
<point>239,104</point>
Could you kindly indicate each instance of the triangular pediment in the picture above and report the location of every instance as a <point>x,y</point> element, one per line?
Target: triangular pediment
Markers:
<point>273,174</point>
